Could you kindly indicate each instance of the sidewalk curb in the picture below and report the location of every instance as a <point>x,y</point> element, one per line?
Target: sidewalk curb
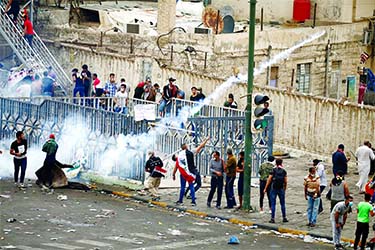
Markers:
<point>235,221</point>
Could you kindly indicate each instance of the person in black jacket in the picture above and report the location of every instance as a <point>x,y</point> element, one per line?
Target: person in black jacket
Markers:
<point>154,166</point>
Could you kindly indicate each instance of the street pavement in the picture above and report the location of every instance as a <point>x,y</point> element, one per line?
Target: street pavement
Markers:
<point>297,169</point>
<point>31,219</point>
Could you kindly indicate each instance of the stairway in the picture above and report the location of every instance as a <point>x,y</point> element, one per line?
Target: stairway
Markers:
<point>39,58</point>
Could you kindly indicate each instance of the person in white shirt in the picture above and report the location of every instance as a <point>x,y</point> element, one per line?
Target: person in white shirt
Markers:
<point>321,172</point>
<point>364,155</point>
<point>121,99</point>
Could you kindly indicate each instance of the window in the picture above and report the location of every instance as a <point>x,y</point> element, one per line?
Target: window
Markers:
<point>334,90</point>
<point>303,77</point>
<point>274,76</point>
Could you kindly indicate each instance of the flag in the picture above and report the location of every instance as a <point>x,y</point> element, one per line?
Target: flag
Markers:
<point>182,166</point>
<point>364,57</point>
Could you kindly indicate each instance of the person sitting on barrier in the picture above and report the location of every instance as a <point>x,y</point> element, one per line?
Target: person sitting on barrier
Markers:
<point>169,92</point>
<point>121,100</point>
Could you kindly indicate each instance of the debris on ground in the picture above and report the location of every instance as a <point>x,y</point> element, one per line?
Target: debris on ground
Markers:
<point>174,232</point>
<point>201,223</point>
<point>233,240</point>
<point>62,197</point>
<point>11,220</point>
<point>5,196</point>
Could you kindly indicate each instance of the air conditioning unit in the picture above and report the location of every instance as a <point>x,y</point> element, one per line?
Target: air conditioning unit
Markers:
<point>202,31</point>
<point>368,37</point>
<point>132,28</point>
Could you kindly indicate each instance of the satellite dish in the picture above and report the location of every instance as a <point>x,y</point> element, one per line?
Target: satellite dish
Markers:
<point>211,18</point>
<point>220,19</point>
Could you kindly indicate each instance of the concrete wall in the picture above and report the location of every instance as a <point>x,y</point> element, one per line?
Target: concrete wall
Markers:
<point>327,10</point>
<point>281,10</point>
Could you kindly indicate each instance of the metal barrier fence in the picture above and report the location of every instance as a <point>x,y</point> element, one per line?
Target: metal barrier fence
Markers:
<point>102,129</point>
<point>109,104</point>
<point>39,117</point>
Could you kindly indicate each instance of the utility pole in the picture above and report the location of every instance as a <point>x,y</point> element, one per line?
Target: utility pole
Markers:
<point>248,133</point>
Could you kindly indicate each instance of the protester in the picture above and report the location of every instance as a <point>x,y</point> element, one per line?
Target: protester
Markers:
<point>185,165</point>
<point>364,155</point>
<point>28,32</point>
<point>18,149</point>
<point>338,218</point>
<point>216,169</point>
<point>264,171</point>
<point>87,79</point>
<point>277,181</point>
<point>231,103</point>
<point>110,88</point>
<point>240,170</point>
<point>339,189</point>
<point>312,195</point>
<point>154,166</point>
<point>158,95</point>
<point>196,96</point>
<point>47,85</point>
<point>169,91</point>
<point>364,210</point>
<point>13,8</point>
<point>320,171</point>
<point>340,161</point>
<point>230,170</point>
<point>121,100</point>
<point>50,148</point>
<point>194,170</point>
<point>97,86</point>
<point>79,87</point>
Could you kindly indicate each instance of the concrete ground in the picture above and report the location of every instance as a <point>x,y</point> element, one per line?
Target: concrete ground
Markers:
<point>72,219</point>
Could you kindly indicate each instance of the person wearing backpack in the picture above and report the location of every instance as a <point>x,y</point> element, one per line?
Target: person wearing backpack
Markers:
<point>277,181</point>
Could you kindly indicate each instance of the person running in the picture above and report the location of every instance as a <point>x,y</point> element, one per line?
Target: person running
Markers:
<point>18,149</point>
<point>364,210</point>
<point>240,170</point>
<point>217,170</point>
<point>277,181</point>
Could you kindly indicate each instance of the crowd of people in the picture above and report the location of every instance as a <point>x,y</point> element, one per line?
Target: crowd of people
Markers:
<point>87,84</point>
<point>273,183</point>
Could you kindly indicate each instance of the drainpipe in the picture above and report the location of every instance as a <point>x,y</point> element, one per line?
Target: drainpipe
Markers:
<point>268,68</point>
<point>328,52</point>
<point>354,10</point>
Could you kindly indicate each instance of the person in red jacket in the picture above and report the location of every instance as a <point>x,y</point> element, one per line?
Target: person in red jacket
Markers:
<point>28,32</point>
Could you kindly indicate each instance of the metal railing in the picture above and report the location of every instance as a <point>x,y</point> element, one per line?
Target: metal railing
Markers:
<point>109,104</point>
<point>37,57</point>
